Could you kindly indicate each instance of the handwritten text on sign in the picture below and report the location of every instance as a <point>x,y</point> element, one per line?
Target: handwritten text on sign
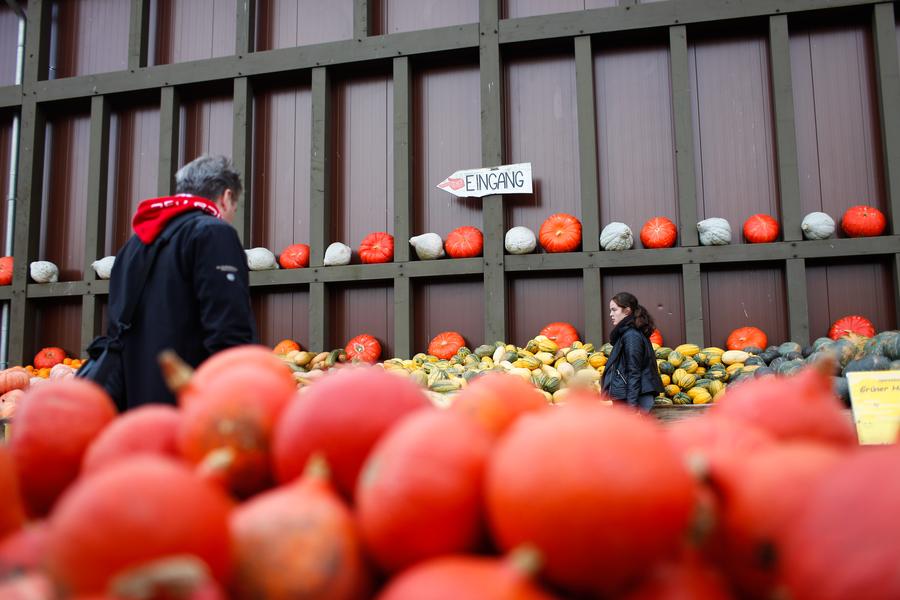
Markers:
<point>505,179</point>
<point>875,397</point>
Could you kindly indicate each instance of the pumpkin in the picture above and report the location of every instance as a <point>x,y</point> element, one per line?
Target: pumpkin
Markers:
<point>46,358</point>
<point>298,541</point>
<point>6,270</point>
<point>152,508</point>
<point>464,242</point>
<point>717,440</point>
<point>12,516</point>
<point>560,232</point>
<point>519,240</point>
<point>851,324</point>
<point>616,236</point>
<point>377,247</point>
<point>445,344</point>
<point>656,337</point>
<point>817,226</point>
<point>103,267</point>
<point>743,337</point>
<point>260,259</point>
<point>761,229</point>
<point>43,271</point>
<point>398,497</point>
<point>689,576</point>
<point>363,348</point>
<point>659,232</point>
<point>24,549</point>
<point>47,461</point>
<point>337,254</point>
<point>285,346</point>
<point>594,538</point>
<point>295,256</point>
<point>863,221</point>
<point>564,334</point>
<point>455,577</point>
<point>342,416</point>
<point>714,231</point>
<point>61,371</point>
<point>497,400</point>
<point>428,246</point>
<point>816,545</point>
<point>150,429</point>
<point>14,378</point>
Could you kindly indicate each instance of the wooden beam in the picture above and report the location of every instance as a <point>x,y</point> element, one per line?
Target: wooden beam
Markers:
<point>169,131</point>
<point>888,78</point>
<point>242,154</point>
<point>319,199</point>
<point>403,194</point>
<point>798,307</point>
<point>138,34</point>
<point>245,27</point>
<point>587,144</point>
<point>684,136</point>
<point>693,304</point>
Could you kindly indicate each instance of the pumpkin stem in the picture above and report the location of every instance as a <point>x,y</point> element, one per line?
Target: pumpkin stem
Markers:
<point>525,560</point>
<point>216,461</point>
<point>317,467</point>
<point>176,373</point>
<point>175,576</point>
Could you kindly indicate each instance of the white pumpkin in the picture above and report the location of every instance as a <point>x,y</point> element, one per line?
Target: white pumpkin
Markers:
<point>428,246</point>
<point>714,232</point>
<point>817,226</point>
<point>261,259</point>
<point>103,267</point>
<point>616,236</point>
<point>520,240</point>
<point>337,254</point>
<point>44,271</point>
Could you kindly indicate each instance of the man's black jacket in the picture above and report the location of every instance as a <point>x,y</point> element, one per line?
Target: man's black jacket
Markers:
<point>631,369</point>
<point>196,301</point>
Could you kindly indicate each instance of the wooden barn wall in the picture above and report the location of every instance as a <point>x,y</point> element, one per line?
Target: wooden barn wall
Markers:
<point>288,23</point>
<point>58,323</point>
<point>394,16</point>
<point>91,37</point>
<point>281,314</point>
<point>206,127</point>
<point>513,9</point>
<point>446,137</point>
<point>358,308</point>
<point>6,120</point>
<point>534,300</point>
<point>183,30</point>
<point>660,291</point>
<point>9,32</point>
<point>839,288</point>
<point>456,305</point>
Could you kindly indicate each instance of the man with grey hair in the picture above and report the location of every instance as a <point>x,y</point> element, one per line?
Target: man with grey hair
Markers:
<point>180,282</point>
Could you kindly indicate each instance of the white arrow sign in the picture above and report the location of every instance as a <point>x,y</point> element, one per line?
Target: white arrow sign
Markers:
<point>505,179</point>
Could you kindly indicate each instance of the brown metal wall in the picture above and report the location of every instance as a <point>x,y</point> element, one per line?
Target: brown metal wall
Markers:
<point>287,23</point>
<point>92,36</point>
<point>447,137</point>
<point>733,128</point>
<point>362,308</point>
<point>635,148</point>
<point>541,128</point>
<point>456,305</point>
<point>5,135</point>
<point>133,168</point>
<point>841,288</point>
<point>660,291</point>
<point>207,123</point>
<point>529,8</point>
<point>58,323</point>
<point>533,301</point>
<point>281,315</point>
<point>738,297</point>
<point>363,175</point>
<point>392,16</point>
<point>9,31</point>
<point>183,30</point>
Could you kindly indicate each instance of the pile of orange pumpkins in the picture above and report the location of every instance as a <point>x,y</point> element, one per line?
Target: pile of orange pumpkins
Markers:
<point>357,487</point>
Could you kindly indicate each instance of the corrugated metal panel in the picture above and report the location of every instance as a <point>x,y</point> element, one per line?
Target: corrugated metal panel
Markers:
<point>64,203</point>
<point>281,315</point>
<point>191,29</point>
<point>58,323</point>
<point>733,129</point>
<point>409,15</point>
<point>9,32</point>
<point>842,288</point>
<point>533,301</point>
<point>206,127</point>
<point>362,308</point>
<point>456,305</point>
<point>447,137</point>
<point>836,116</point>
<point>740,297</point>
<point>363,191</point>
<point>659,291</point>
<point>636,152</point>
<point>133,166</point>
<point>287,23</point>
<point>541,128</point>
<point>529,8</point>
<point>5,135</point>
<point>92,36</point>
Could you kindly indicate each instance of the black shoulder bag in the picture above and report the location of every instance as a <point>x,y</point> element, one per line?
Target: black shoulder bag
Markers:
<point>104,365</point>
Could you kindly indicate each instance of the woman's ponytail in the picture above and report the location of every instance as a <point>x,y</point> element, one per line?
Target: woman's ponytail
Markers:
<point>643,321</point>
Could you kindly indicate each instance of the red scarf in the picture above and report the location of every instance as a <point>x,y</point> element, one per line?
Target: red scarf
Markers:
<point>152,215</point>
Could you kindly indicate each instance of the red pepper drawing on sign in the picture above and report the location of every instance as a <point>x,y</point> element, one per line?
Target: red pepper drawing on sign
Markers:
<point>452,182</point>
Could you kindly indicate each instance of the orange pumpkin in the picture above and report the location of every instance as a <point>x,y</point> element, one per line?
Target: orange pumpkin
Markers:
<point>285,346</point>
<point>659,232</point>
<point>377,247</point>
<point>445,344</point>
<point>12,514</point>
<point>851,324</point>
<point>717,439</point>
<point>363,348</point>
<point>656,337</point>
<point>24,550</point>
<point>295,256</point>
<point>497,400</point>
<point>398,496</point>
<point>14,378</point>
<point>464,242</point>
<point>561,232</point>
<point>48,357</point>
<point>863,221</point>
<point>564,334</point>
<point>760,229</point>
<point>6,270</point>
<point>150,429</point>
<point>298,541</point>
<point>747,337</point>
<point>689,576</point>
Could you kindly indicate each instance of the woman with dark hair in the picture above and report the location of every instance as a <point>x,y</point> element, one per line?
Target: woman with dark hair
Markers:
<point>631,375</point>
